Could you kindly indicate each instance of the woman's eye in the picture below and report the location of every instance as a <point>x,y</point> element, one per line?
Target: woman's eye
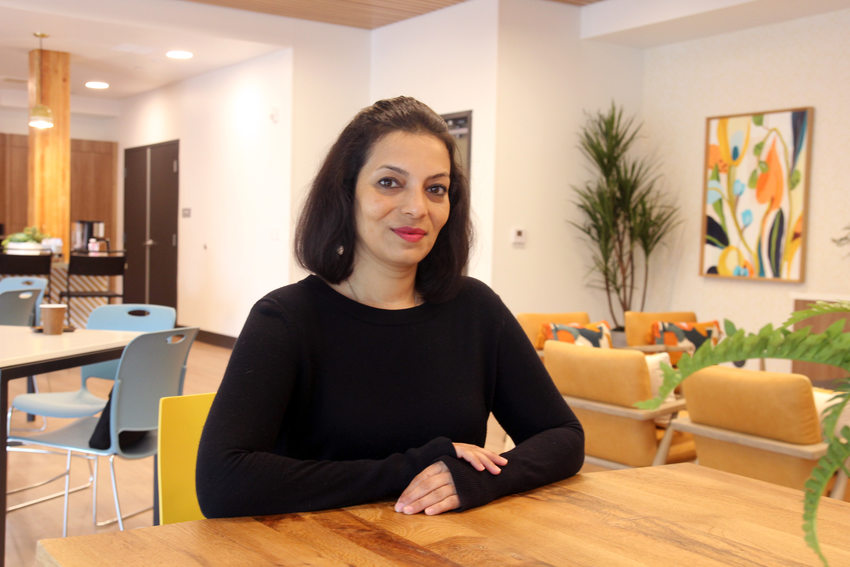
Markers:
<point>388,182</point>
<point>438,190</point>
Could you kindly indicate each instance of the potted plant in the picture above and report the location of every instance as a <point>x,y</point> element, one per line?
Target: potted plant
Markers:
<point>626,215</point>
<point>829,347</point>
<point>27,241</point>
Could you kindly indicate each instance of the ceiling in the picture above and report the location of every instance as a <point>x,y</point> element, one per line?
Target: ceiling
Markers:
<point>123,42</point>
<point>367,14</point>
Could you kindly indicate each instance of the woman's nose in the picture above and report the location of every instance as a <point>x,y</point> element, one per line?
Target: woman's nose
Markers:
<point>414,202</point>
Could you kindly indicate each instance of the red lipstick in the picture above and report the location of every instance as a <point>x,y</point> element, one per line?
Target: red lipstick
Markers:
<point>409,233</point>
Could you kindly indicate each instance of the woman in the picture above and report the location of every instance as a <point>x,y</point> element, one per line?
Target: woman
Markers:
<point>373,378</point>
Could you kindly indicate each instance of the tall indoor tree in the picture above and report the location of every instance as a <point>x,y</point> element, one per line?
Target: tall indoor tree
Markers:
<point>626,215</point>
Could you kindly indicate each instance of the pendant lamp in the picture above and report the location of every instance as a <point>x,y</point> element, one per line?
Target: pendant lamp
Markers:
<point>41,116</point>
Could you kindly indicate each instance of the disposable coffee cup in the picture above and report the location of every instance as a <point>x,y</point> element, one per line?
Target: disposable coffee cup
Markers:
<point>53,317</point>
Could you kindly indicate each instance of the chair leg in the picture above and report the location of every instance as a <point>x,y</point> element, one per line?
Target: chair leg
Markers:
<point>67,494</point>
<point>840,486</point>
<point>119,518</point>
<point>32,388</point>
<point>115,492</point>
<point>94,493</point>
<point>41,499</point>
<point>664,445</point>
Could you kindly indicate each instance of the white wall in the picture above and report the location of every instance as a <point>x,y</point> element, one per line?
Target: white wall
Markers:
<point>91,119</point>
<point>798,63</point>
<point>243,175</point>
<point>523,70</point>
<point>548,78</point>
<point>447,59</point>
<point>235,131</point>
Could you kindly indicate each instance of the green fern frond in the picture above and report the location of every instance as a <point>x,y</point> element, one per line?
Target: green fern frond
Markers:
<point>836,454</point>
<point>829,347</point>
<point>818,308</point>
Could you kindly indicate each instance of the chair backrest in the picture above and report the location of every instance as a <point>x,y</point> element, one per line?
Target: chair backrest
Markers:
<point>773,405</point>
<point>152,366</point>
<point>617,377</point>
<point>25,264</point>
<point>125,317</point>
<point>17,307</point>
<point>638,324</point>
<point>27,282</point>
<point>92,265</point>
<point>181,420</point>
<point>132,317</point>
<point>531,322</point>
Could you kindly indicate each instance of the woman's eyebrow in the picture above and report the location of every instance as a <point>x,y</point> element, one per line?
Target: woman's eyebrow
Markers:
<point>395,168</point>
<point>402,171</point>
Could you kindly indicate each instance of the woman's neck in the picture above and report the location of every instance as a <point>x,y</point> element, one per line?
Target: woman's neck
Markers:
<point>381,290</point>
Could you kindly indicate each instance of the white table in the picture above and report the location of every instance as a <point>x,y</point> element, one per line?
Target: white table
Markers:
<point>25,353</point>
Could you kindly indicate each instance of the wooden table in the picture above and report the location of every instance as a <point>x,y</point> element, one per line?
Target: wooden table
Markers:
<point>25,353</point>
<point>671,515</point>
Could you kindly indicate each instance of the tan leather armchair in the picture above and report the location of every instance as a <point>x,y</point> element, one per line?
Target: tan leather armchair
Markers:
<point>531,323</point>
<point>638,326</point>
<point>601,386</point>
<point>759,424</point>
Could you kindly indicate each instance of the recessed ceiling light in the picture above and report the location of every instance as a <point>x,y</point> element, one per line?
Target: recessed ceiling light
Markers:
<point>179,54</point>
<point>97,85</point>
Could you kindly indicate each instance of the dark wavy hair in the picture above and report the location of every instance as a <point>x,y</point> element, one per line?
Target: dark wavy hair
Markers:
<point>327,219</point>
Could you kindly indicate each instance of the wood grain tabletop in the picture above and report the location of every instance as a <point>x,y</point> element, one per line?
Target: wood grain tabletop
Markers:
<point>671,515</point>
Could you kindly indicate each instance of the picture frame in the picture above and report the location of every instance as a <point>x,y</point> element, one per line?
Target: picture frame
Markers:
<point>755,195</point>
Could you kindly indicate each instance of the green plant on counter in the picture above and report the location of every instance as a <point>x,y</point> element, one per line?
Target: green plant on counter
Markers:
<point>829,347</point>
<point>29,234</point>
<point>625,213</point>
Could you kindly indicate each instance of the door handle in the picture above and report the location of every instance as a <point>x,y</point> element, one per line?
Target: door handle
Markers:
<point>149,242</point>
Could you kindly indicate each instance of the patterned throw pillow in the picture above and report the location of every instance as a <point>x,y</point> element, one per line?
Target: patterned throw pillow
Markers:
<point>684,335</point>
<point>596,334</point>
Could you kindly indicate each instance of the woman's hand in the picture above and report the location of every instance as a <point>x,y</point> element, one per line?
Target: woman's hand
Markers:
<point>480,458</point>
<point>433,490</point>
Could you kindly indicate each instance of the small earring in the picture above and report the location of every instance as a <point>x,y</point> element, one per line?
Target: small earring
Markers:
<point>340,250</point>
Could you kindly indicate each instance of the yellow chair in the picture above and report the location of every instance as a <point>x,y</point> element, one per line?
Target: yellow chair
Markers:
<point>601,386</point>
<point>638,326</point>
<point>181,420</point>
<point>532,322</point>
<point>759,424</point>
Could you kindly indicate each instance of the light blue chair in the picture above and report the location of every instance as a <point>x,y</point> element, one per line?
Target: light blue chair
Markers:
<point>152,366</point>
<point>17,307</point>
<point>14,283</point>
<point>22,282</point>
<point>80,403</point>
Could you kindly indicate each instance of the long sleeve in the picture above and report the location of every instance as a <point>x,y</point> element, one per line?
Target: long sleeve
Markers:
<point>240,471</point>
<point>549,438</point>
<point>326,403</point>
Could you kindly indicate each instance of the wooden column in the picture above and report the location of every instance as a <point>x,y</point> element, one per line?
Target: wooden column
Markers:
<point>49,163</point>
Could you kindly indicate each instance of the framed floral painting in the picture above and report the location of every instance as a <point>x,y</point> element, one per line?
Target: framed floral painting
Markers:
<point>756,180</point>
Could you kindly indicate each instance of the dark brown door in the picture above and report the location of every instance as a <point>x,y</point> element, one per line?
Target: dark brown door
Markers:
<point>150,223</point>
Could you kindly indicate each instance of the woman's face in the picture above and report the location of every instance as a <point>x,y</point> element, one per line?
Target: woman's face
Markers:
<point>401,200</point>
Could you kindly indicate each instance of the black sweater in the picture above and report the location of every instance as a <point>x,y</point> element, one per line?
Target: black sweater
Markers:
<point>328,403</point>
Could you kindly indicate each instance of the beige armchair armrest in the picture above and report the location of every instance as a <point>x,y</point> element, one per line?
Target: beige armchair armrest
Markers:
<point>667,408</point>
